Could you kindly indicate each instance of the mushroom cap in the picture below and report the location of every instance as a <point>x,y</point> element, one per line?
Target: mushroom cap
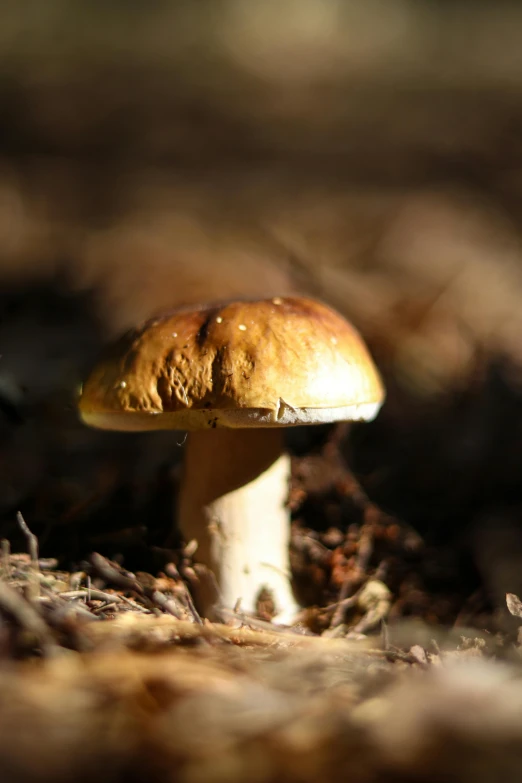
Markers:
<point>266,363</point>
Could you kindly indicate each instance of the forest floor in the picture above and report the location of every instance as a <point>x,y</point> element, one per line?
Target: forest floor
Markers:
<point>401,667</point>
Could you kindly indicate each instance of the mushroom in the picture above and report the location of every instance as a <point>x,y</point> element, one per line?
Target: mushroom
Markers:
<point>235,375</point>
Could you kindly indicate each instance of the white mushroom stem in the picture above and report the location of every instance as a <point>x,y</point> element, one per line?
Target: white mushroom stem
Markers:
<point>233,502</point>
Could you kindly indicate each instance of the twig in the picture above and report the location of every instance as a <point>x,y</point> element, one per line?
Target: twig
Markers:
<point>257,624</point>
<point>167,604</point>
<point>385,635</point>
<point>110,573</point>
<point>360,567</point>
<point>134,604</point>
<point>32,541</point>
<point>90,594</point>
<point>393,655</point>
<point>32,545</point>
<point>273,638</point>
<point>19,610</point>
<point>56,600</point>
<point>173,572</point>
<point>6,552</point>
<point>191,606</point>
<point>151,597</point>
<point>104,607</point>
<point>47,563</point>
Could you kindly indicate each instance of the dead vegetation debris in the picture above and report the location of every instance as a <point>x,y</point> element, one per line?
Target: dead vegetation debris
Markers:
<point>110,674</point>
<point>145,696</point>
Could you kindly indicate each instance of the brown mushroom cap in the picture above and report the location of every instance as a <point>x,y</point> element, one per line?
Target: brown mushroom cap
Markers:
<point>266,363</point>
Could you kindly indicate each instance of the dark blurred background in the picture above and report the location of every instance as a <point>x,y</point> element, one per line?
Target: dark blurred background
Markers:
<point>368,152</point>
